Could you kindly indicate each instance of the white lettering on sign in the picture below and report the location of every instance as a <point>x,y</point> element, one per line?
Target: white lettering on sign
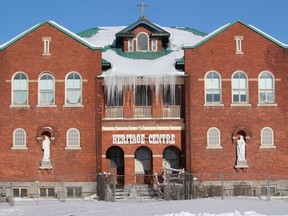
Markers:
<point>128,138</point>
<point>140,139</point>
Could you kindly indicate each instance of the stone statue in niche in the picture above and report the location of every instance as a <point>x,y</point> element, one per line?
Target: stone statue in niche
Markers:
<point>46,149</point>
<point>241,148</point>
<point>241,153</point>
<point>46,163</point>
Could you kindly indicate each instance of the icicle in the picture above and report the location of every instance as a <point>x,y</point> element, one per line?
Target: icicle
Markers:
<point>115,85</point>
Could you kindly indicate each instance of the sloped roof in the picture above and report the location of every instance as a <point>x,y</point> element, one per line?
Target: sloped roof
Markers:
<point>158,31</point>
<point>223,28</point>
<point>55,25</point>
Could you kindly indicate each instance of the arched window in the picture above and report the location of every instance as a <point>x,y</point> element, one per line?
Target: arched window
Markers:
<point>143,160</point>
<point>213,138</point>
<point>267,138</point>
<point>20,89</point>
<point>171,157</point>
<point>19,139</point>
<point>240,88</point>
<point>212,88</point>
<point>73,89</point>
<point>73,139</point>
<point>142,42</point>
<point>266,88</point>
<point>46,89</point>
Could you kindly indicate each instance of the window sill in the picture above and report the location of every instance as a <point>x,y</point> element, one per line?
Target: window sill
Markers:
<point>267,147</point>
<point>46,105</point>
<point>46,54</point>
<point>214,147</point>
<point>74,105</point>
<point>19,148</point>
<point>240,105</point>
<point>214,104</point>
<point>19,106</point>
<point>267,104</point>
<point>239,52</point>
<point>73,148</point>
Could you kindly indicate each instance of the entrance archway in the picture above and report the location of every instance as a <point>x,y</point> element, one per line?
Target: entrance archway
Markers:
<point>143,165</point>
<point>115,155</point>
<point>171,157</point>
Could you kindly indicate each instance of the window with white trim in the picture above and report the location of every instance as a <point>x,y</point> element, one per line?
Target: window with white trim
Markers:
<point>239,88</point>
<point>130,45</point>
<point>19,139</point>
<point>20,192</point>
<point>154,43</point>
<point>212,88</point>
<point>266,88</point>
<point>73,89</point>
<point>20,89</point>
<point>213,138</point>
<point>75,192</point>
<point>238,40</point>
<point>268,190</point>
<point>142,42</point>
<point>46,192</point>
<point>46,44</point>
<point>73,139</point>
<point>46,89</point>
<point>267,138</point>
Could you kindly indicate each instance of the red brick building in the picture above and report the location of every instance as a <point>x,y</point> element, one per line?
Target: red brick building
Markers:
<point>48,89</point>
<point>140,104</point>
<point>237,85</point>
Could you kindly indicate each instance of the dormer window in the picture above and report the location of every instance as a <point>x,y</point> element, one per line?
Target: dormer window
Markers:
<point>238,40</point>
<point>46,41</point>
<point>130,45</point>
<point>154,45</point>
<point>142,42</point>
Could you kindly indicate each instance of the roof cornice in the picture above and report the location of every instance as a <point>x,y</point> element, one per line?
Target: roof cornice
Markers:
<point>223,28</point>
<point>55,25</point>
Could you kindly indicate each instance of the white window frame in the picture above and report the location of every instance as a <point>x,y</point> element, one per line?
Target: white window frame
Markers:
<point>214,134</point>
<point>264,138</point>
<point>130,45</point>
<point>240,89</point>
<point>266,90</point>
<point>238,40</point>
<point>66,104</point>
<point>41,104</point>
<point>212,88</point>
<point>46,45</point>
<point>154,45</point>
<point>68,145</point>
<point>137,42</point>
<point>16,139</point>
<point>13,104</point>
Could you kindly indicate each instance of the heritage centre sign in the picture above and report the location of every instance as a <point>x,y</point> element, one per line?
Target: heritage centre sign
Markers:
<point>141,139</point>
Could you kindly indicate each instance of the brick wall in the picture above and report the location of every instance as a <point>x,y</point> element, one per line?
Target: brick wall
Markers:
<point>67,55</point>
<point>218,53</point>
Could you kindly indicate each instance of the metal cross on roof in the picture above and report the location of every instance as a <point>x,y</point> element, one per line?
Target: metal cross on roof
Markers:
<point>143,5</point>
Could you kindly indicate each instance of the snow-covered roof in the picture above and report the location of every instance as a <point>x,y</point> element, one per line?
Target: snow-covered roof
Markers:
<point>126,72</point>
<point>164,65</point>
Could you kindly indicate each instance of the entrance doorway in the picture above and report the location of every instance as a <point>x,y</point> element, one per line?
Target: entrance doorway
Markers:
<point>115,155</point>
<point>143,165</point>
<point>171,157</point>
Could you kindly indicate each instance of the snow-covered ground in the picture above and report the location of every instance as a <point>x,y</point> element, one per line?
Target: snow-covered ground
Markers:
<point>199,207</point>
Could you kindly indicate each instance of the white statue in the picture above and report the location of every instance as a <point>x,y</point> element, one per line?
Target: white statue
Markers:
<point>46,149</point>
<point>241,147</point>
